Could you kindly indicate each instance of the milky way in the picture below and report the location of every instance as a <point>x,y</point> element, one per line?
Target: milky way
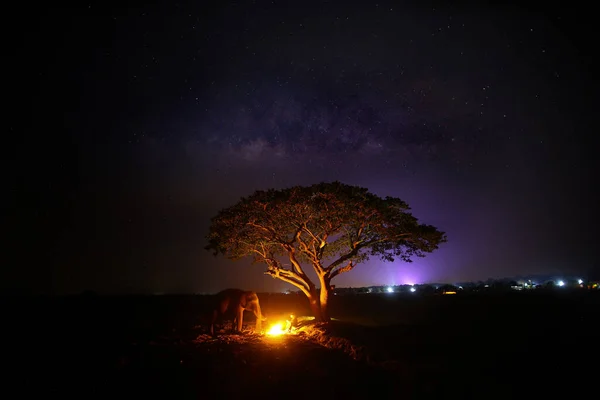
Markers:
<point>166,114</point>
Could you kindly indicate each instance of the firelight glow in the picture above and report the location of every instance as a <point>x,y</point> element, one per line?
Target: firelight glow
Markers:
<point>276,330</point>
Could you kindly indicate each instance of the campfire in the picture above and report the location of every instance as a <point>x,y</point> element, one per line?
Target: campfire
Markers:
<point>282,328</point>
<point>276,330</point>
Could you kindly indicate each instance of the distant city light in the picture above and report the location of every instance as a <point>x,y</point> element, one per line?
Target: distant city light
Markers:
<point>390,289</point>
<point>580,281</point>
<point>412,289</point>
<point>561,283</point>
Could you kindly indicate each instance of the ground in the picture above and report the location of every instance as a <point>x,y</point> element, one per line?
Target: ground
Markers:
<point>239,365</point>
<point>420,347</point>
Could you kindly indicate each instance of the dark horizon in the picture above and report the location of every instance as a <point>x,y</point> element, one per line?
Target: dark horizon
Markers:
<point>133,127</point>
<point>539,279</point>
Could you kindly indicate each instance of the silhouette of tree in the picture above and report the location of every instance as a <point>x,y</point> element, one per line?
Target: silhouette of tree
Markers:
<point>332,227</point>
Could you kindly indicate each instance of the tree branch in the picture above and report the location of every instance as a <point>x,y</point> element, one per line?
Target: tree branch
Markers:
<point>322,245</point>
<point>346,256</point>
<point>264,228</point>
<point>289,277</point>
<point>313,242</point>
<point>279,271</point>
<point>318,243</point>
<point>292,257</point>
<point>348,267</point>
<point>357,245</point>
<point>305,229</point>
<point>272,232</point>
<point>304,247</point>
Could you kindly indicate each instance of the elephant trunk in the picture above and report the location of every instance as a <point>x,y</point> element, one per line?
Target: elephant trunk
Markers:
<point>259,318</point>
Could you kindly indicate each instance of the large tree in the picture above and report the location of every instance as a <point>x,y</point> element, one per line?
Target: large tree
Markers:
<point>331,227</point>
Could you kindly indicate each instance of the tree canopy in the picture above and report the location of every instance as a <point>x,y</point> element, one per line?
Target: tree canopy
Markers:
<point>331,226</point>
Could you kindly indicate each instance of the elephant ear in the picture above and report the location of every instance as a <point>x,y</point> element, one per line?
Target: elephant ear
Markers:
<point>244,299</point>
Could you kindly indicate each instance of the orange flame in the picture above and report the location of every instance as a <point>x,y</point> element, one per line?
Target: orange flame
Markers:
<point>276,330</point>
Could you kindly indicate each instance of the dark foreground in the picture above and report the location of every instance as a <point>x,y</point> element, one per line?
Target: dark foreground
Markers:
<point>229,368</point>
<point>509,346</point>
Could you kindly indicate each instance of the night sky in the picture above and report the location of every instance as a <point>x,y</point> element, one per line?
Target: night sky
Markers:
<point>130,128</point>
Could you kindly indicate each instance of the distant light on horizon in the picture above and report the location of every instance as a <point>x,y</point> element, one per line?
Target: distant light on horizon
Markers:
<point>561,283</point>
<point>390,289</point>
<point>412,289</point>
<point>580,281</point>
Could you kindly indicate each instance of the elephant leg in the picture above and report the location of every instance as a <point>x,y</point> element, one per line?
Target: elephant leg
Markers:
<point>212,322</point>
<point>240,319</point>
<point>218,312</point>
<point>259,320</point>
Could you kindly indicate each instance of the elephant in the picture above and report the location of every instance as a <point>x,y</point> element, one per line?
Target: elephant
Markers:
<point>233,302</point>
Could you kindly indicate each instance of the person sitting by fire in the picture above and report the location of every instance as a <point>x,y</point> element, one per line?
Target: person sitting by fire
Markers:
<point>291,322</point>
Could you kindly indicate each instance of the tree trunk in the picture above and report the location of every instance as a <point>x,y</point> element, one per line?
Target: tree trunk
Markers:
<point>315,307</point>
<point>324,300</point>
